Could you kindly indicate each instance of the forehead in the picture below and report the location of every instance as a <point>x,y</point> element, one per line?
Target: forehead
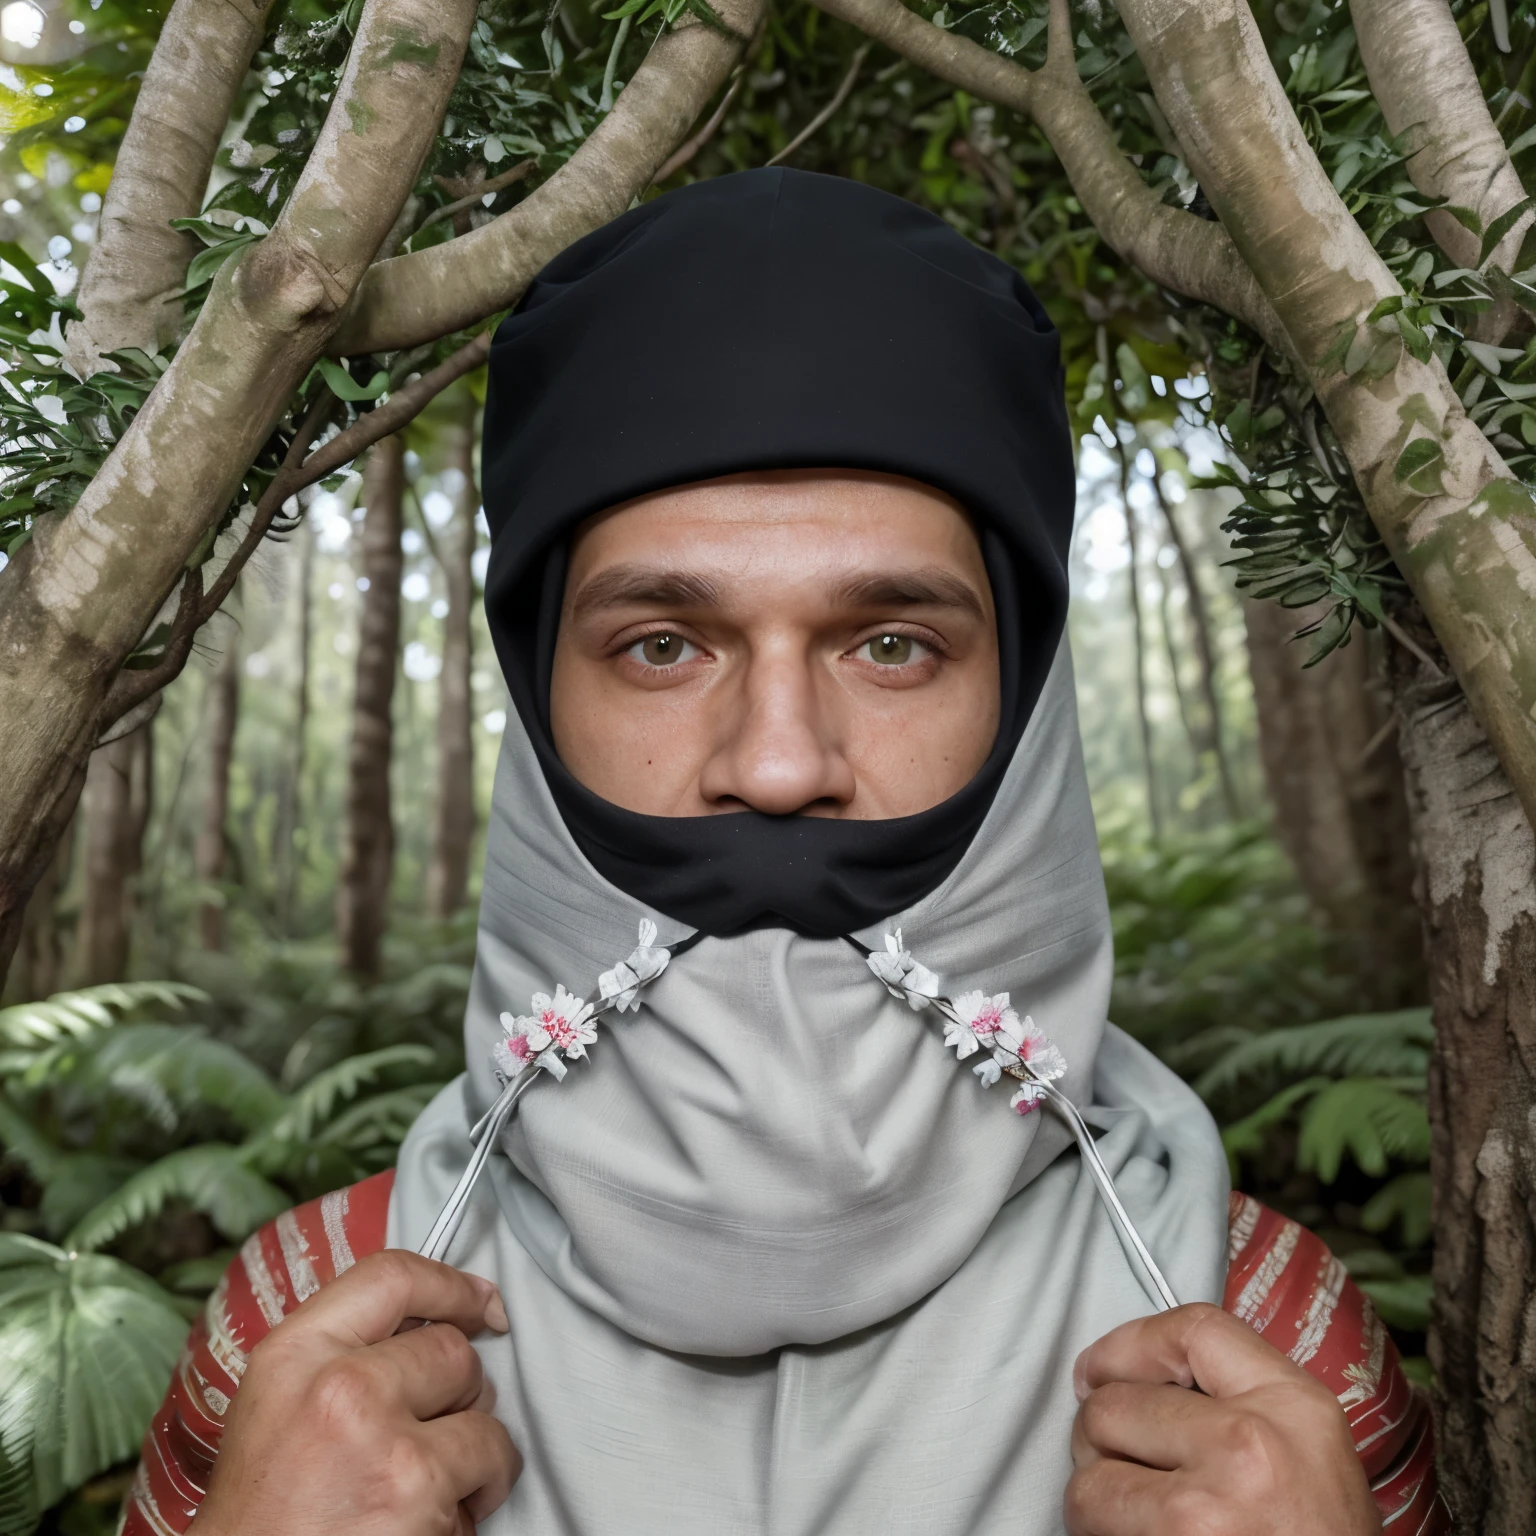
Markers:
<point>808,519</point>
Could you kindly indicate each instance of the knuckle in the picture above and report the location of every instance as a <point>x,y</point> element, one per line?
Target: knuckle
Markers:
<point>1248,1445</point>
<point>409,1476</point>
<point>1100,1410</point>
<point>1191,1510</point>
<point>344,1393</point>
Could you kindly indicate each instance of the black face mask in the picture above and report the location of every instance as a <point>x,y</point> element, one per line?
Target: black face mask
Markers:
<point>768,320</point>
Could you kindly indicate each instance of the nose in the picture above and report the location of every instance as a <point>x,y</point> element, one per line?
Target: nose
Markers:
<point>780,755</point>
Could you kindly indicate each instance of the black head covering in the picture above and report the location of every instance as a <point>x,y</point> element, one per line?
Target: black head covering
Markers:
<point>775,319</point>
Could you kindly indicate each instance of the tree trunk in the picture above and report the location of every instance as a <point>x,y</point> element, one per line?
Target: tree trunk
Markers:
<point>368,851</point>
<point>119,788</point>
<point>1336,783</point>
<point>42,944</point>
<point>209,853</point>
<point>285,853</point>
<point>1477,888</point>
<point>453,831</point>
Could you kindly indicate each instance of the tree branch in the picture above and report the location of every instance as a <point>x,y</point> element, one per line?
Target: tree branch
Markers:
<point>828,112</point>
<point>494,184</point>
<point>1173,248</point>
<point>131,284</point>
<point>445,288</point>
<point>1464,533</point>
<point>1427,88</point>
<point>80,597</point>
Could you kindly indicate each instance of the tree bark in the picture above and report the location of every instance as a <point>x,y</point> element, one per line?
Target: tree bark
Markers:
<point>453,830</point>
<point>368,849</point>
<point>119,793</point>
<point>87,586</point>
<point>1326,742</point>
<point>1464,534</point>
<point>1425,84</point>
<point>1477,888</point>
<point>42,944</point>
<point>130,288</point>
<point>208,854</point>
<point>286,859</point>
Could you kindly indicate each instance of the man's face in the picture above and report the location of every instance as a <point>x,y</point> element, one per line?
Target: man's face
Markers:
<point>813,642</point>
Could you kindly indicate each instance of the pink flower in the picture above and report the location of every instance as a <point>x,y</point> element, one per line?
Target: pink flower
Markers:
<point>566,1019</point>
<point>526,1037</point>
<point>980,1021</point>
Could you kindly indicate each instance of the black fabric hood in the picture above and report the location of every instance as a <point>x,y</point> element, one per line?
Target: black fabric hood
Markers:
<point>775,319</point>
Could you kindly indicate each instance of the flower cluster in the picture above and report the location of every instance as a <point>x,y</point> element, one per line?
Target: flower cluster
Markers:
<point>974,1021</point>
<point>561,1027</point>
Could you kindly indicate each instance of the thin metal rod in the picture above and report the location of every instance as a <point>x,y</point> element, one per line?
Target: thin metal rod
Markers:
<point>1108,1195</point>
<point>491,1125</point>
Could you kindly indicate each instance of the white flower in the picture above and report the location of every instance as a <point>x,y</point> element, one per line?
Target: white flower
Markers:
<point>904,977</point>
<point>1026,1044</point>
<point>982,1020</point>
<point>645,964</point>
<point>526,1038</point>
<point>566,1018</point>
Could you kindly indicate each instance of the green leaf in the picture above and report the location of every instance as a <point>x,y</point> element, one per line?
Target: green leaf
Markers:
<point>315,1103</point>
<point>212,1178</point>
<point>1501,226</point>
<point>345,387</point>
<point>18,258</point>
<point>1369,1119</point>
<point>1420,464</point>
<point>1524,142</point>
<point>206,264</point>
<point>1466,217</point>
<point>1246,1137</point>
<point>1404,1201</point>
<point>87,1346</point>
<point>1404,1303</point>
<point>1381,1044</point>
<point>83,1012</point>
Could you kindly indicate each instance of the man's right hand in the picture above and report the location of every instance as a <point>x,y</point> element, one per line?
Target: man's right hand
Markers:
<point>341,1423</point>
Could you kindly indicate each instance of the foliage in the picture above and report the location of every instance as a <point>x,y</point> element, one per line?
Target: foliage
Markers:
<point>116,1119</point>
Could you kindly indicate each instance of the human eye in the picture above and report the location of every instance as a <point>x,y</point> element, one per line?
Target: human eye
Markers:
<point>662,649</point>
<point>893,650</point>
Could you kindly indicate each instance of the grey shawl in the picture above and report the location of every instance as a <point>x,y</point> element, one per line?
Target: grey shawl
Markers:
<point>775,1263</point>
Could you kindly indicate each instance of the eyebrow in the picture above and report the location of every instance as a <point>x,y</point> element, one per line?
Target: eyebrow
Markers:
<point>930,587</point>
<point>926,587</point>
<point>644,585</point>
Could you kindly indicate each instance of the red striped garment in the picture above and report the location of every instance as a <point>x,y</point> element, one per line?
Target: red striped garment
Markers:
<point>1283,1282</point>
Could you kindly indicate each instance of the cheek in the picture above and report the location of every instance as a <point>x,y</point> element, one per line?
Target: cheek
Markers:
<point>912,748</point>
<point>638,749</point>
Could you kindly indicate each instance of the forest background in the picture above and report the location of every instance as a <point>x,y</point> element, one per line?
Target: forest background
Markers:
<point>244,970</point>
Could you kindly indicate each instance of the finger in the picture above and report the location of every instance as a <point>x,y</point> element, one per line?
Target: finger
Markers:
<point>432,1371</point>
<point>1194,1346</point>
<point>1160,1426</point>
<point>1114,1498</point>
<point>370,1301</point>
<point>476,1457</point>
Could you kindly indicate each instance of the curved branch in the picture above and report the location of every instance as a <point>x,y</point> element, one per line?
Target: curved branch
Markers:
<point>427,294</point>
<point>828,112</point>
<point>1464,534</point>
<point>1173,248</point>
<point>132,281</point>
<point>1427,88</point>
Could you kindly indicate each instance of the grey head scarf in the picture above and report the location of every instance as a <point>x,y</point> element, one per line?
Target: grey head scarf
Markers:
<point>775,1263</point>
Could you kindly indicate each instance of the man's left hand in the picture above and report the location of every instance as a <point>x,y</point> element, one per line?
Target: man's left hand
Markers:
<point>1259,1449</point>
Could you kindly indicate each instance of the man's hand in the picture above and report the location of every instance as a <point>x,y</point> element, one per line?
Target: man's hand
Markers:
<point>1265,1450</point>
<point>342,1424</point>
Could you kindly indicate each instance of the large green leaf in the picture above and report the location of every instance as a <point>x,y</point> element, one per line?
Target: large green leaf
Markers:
<point>212,1178</point>
<point>1376,1044</point>
<point>317,1101</point>
<point>86,1348</point>
<point>31,1026</point>
<point>1370,1119</point>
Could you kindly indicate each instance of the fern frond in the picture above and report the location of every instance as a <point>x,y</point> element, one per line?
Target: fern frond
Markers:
<point>315,1103</point>
<point>86,1347</point>
<point>212,1178</point>
<point>1372,1119</point>
<point>380,1122</point>
<point>1361,1045</point>
<point>1246,1137</point>
<point>1404,1200</point>
<point>167,1071</point>
<point>28,1145</point>
<point>31,1026</point>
